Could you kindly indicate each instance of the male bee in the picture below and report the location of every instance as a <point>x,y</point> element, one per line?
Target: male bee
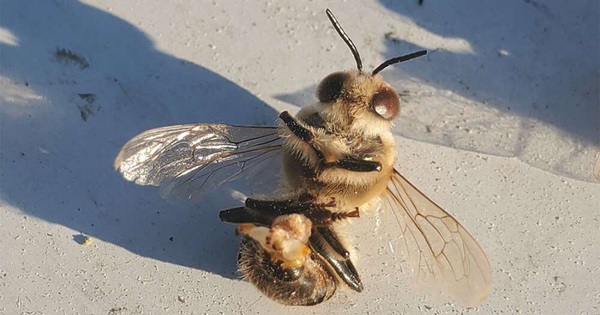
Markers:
<point>338,162</point>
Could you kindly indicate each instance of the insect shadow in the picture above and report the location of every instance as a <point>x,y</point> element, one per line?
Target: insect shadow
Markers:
<point>86,81</point>
<point>525,76</point>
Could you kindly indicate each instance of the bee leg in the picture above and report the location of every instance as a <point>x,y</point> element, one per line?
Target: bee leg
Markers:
<point>331,239</point>
<point>263,212</point>
<point>247,215</point>
<point>355,165</point>
<point>321,216</point>
<point>301,132</point>
<point>343,267</point>
<point>296,128</point>
<point>277,207</point>
<point>349,163</point>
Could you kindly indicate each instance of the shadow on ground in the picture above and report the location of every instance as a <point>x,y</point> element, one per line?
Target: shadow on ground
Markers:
<point>77,83</point>
<point>538,60</point>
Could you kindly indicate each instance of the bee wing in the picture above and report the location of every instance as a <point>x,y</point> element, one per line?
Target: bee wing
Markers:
<point>187,160</point>
<point>445,258</point>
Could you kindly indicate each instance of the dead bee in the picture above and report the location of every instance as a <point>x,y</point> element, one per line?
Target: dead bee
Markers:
<point>338,161</point>
<point>289,250</point>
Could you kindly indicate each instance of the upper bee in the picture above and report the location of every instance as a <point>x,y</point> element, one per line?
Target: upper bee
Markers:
<point>382,101</point>
<point>362,90</point>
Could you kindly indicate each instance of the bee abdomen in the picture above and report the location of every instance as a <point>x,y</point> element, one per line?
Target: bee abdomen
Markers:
<point>308,285</point>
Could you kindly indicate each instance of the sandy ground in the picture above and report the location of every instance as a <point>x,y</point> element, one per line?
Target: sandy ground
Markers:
<point>500,125</point>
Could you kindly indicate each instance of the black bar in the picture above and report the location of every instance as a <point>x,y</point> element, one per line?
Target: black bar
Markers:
<point>356,165</point>
<point>333,241</point>
<point>296,128</point>
<point>342,266</point>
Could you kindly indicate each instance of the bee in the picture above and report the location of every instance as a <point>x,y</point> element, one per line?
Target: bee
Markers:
<point>338,158</point>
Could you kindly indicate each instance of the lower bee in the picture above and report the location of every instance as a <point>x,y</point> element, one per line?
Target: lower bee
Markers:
<point>289,250</point>
<point>338,162</point>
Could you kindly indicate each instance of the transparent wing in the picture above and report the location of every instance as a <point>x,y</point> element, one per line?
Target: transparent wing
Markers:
<point>445,258</point>
<point>188,160</point>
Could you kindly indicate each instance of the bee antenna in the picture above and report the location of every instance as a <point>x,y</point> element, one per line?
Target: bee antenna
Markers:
<point>398,60</point>
<point>346,39</point>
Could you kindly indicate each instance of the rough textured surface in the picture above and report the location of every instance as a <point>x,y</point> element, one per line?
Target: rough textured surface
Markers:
<point>499,123</point>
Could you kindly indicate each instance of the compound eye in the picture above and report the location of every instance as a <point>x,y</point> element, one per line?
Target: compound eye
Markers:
<point>386,103</point>
<point>330,88</point>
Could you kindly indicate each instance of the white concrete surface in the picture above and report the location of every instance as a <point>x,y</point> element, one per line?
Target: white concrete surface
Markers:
<point>500,125</point>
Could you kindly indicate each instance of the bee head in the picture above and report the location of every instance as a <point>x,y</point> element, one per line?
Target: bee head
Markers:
<point>364,94</point>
